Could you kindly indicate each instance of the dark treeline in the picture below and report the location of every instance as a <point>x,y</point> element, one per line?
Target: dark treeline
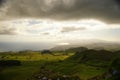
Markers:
<point>7,63</point>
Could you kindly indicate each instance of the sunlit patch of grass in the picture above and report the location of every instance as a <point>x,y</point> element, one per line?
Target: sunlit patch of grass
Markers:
<point>33,57</point>
<point>31,64</point>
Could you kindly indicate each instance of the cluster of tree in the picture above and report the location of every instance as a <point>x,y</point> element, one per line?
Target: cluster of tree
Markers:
<point>46,52</point>
<point>9,63</point>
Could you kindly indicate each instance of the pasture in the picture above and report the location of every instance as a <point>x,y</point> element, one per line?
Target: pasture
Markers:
<point>33,62</point>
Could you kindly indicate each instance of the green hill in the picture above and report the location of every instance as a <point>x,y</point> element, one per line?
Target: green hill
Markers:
<point>94,57</point>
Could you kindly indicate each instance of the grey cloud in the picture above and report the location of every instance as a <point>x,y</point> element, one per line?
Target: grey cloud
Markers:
<point>2,2</point>
<point>70,29</point>
<point>105,10</point>
<point>118,1</point>
<point>7,31</point>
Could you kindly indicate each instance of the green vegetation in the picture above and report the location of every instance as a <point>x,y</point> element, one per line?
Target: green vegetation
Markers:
<point>87,64</point>
<point>31,63</point>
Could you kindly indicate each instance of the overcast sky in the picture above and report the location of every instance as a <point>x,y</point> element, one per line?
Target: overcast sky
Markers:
<point>54,21</point>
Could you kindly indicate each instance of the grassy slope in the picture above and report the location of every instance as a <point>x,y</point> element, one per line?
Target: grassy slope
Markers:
<point>71,68</point>
<point>31,63</point>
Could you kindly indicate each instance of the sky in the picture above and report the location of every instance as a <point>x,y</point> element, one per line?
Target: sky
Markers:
<point>47,23</point>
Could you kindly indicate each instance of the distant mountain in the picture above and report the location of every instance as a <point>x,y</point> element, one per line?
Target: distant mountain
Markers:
<point>76,49</point>
<point>90,44</point>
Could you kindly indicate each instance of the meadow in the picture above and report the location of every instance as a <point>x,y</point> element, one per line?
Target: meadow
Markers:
<point>32,64</point>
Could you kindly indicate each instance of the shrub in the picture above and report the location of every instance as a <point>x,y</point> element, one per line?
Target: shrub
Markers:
<point>10,63</point>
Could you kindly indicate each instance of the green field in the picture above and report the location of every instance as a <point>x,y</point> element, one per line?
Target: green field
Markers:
<point>31,63</point>
<point>59,63</point>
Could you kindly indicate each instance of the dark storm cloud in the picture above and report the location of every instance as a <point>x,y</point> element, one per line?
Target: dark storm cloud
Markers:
<point>118,1</point>
<point>105,10</point>
<point>7,31</point>
<point>2,2</point>
<point>70,29</point>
